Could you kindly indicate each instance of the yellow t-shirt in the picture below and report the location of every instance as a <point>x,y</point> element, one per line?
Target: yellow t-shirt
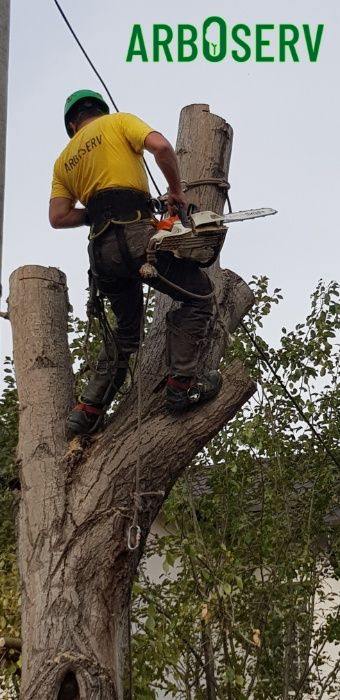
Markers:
<point>106,152</point>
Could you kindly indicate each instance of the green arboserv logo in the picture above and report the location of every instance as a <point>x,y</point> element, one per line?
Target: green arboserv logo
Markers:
<point>218,41</point>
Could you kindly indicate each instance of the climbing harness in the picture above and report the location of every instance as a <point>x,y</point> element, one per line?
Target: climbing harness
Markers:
<point>118,205</point>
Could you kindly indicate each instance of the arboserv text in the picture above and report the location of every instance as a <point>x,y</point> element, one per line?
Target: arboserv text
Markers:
<point>218,41</point>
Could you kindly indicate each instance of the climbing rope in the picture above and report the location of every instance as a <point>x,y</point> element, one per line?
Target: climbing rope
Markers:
<point>134,531</point>
<point>220,182</point>
<point>216,181</point>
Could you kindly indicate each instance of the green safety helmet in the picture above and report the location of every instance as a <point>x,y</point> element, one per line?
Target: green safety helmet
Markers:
<point>76,97</point>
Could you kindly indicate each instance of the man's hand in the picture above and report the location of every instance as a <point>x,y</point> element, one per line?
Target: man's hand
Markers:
<point>175,200</point>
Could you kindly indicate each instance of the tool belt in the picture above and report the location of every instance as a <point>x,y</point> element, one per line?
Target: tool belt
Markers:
<point>117,205</point>
<point>109,211</point>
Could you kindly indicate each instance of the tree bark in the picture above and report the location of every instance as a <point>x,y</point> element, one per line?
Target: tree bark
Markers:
<point>78,500</point>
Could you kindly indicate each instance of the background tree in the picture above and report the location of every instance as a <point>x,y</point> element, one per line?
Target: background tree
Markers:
<point>9,588</point>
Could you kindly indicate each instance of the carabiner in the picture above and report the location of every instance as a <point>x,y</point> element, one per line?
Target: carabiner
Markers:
<point>134,535</point>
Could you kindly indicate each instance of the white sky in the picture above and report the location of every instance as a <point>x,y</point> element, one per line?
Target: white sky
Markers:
<point>285,119</point>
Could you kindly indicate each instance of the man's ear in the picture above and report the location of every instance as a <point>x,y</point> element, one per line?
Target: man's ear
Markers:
<point>73,127</point>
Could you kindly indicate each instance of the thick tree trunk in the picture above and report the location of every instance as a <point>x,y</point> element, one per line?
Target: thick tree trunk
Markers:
<point>78,500</point>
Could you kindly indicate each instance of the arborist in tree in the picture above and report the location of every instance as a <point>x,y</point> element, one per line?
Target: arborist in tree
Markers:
<point>102,167</point>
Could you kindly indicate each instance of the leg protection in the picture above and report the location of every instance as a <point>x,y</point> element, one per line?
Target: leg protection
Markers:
<point>183,349</point>
<point>104,384</point>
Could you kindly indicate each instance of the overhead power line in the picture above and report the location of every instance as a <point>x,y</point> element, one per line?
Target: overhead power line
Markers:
<point>102,82</point>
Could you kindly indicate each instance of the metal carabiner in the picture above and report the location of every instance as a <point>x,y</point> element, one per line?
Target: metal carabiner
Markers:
<point>159,205</point>
<point>134,535</point>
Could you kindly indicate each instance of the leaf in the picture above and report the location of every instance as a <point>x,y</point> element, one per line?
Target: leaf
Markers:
<point>239,582</point>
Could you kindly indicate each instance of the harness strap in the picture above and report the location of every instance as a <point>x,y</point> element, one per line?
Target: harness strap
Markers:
<point>117,204</point>
<point>89,409</point>
<point>177,384</point>
<point>95,234</point>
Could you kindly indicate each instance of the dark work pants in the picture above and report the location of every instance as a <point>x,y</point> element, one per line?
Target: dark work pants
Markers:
<point>187,326</point>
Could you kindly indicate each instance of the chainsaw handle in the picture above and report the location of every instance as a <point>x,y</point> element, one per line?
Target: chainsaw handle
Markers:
<point>182,213</point>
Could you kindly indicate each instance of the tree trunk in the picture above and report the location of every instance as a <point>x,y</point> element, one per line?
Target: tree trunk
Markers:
<point>78,500</point>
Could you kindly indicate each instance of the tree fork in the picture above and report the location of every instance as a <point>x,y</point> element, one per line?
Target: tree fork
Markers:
<point>76,506</point>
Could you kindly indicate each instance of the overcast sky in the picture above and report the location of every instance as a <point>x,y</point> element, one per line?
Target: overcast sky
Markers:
<point>285,118</point>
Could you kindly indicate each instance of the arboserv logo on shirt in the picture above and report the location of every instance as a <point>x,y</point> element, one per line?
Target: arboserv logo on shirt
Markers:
<point>76,158</point>
<point>217,41</point>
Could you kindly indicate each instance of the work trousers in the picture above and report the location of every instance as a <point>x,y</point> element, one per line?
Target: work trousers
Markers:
<point>118,278</point>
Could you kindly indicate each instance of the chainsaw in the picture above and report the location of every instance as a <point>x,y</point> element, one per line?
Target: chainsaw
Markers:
<point>198,236</point>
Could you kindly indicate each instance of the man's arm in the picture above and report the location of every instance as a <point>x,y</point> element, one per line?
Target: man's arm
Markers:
<point>166,160</point>
<point>63,213</point>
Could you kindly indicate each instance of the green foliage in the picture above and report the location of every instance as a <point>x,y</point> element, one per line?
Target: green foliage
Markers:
<point>8,421</point>
<point>9,623</point>
<point>248,545</point>
<point>9,589</point>
<point>8,467</point>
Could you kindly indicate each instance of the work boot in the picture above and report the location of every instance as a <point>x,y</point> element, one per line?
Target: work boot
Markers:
<point>85,419</point>
<point>102,387</point>
<point>184,392</point>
